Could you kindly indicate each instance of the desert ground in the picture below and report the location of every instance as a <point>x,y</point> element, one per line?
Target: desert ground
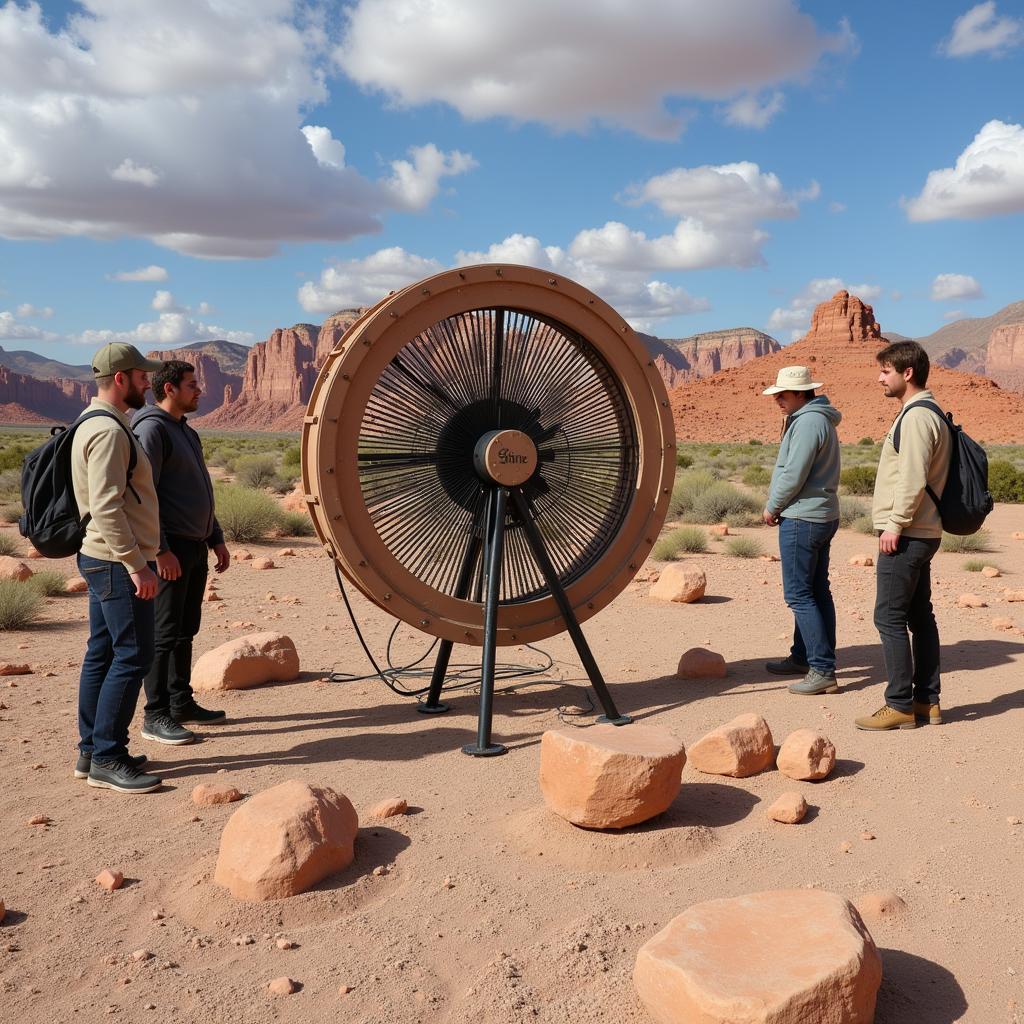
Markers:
<point>489,908</point>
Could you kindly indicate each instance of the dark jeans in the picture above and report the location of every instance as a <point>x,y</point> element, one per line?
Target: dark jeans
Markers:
<point>179,609</point>
<point>804,548</point>
<point>119,653</point>
<point>904,601</point>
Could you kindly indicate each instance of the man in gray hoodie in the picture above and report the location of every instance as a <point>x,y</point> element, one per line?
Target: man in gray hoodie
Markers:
<point>803,502</point>
<point>188,531</point>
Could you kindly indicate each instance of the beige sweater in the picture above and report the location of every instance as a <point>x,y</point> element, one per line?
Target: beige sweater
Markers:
<point>901,504</point>
<point>121,528</point>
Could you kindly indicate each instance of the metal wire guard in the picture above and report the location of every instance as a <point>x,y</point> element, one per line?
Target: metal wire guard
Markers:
<point>401,404</point>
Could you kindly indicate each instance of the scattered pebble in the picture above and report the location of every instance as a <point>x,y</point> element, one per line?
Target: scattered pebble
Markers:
<point>343,990</point>
<point>282,987</point>
<point>39,819</point>
<point>141,955</point>
<point>110,880</point>
<point>867,836</point>
<point>285,944</point>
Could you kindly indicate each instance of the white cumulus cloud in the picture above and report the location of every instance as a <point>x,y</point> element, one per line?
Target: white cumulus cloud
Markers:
<point>169,330</point>
<point>982,30</point>
<point>150,273</point>
<point>11,328</point>
<point>796,317</point>
<point>955,286</point>
<point>986,181</point>
<point>28,311</point>
<point>570,63</point>
<point>749,111</point>
<point>183,124</point>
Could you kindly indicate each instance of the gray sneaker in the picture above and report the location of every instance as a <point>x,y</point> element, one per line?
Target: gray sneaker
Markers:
<point>164,729</point>
<point>786,667</point>
<point>122,777</point>
<point>815,682</point>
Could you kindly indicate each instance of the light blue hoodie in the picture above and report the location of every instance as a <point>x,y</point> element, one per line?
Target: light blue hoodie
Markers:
<point>805,480</point>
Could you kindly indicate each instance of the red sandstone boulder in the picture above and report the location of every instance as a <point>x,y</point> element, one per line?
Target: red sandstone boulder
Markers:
<point>990,572</point>
<point>282,987</point>
<point>786,957</point>
<point>789,808</point>
<point>76,585</point>
<point>390,808</point>
<point>14,569</point>
<point>9,668</point>
<point>806,755</point>
<point>285,840</point>
<point>110,880</point>
<point>700,663</point>
<point>682,582</point>
<point>247,661</point>
<point>262,564</point>
<point>610,776</point>
<point>739,748</point>
<point>207,794</point>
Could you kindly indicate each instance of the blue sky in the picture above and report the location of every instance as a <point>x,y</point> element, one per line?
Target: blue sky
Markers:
<point>699,165</point>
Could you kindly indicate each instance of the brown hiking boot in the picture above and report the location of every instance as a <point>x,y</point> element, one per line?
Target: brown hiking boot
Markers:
<point>927,714</point>
<point>886,718</point>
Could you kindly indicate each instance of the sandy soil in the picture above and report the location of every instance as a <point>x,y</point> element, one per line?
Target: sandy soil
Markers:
<point>541,921</point>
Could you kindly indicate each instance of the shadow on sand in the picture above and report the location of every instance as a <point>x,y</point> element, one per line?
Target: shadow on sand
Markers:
<point>915,990</point>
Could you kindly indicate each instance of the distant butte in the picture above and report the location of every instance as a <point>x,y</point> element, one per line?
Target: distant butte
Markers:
<point>840,349</point>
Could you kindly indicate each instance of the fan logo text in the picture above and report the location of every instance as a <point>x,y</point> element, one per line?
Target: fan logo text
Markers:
<point>509,458</point>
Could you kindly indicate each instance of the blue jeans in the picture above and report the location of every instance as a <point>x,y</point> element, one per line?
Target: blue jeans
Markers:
<point>117,657</point>
<point>804,548</point>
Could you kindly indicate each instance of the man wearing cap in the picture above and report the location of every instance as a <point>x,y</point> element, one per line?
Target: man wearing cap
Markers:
<point>803,502</point>
<point>117,560</point>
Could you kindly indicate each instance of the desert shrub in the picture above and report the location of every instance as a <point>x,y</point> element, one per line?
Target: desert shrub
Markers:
<point>244,514</point>
<point>977,564</point>
<point>687,539</point>
<point>49,582</point>
<point>863,524</point>
<point>683,461</point>
<point>850,510</point>
<point>296,524</point>
<point>755,441</point>
<point>9,544</point>
<point>722,500</point>
<point>1005,481</point>
<point>866,440</point>
<point>712,452</point>
<point>689,486</point>
<point>975,542</point>
<point>757,476</point>
<point>858,479</point>
<point>11,456</point>
<point>282,483</point>
<point>255,470</point>
<point>743,547</point>
<point>292,457</point>
<point>19,604</point>
<point>10,513</point>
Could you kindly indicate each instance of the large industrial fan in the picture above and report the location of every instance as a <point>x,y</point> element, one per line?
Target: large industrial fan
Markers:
<point>488,455</point>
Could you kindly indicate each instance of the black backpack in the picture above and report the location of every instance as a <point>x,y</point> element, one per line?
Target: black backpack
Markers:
<point>51,520</point>
<point>965,500</point>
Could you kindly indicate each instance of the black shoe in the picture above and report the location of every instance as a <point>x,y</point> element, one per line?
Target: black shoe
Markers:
<point>164,729</point>
<point>193,712</point>
<point>84,762</point>
<point>122,776</point>
<point>787,667</point>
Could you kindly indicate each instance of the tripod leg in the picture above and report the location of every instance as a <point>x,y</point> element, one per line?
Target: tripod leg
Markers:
<point>492,562</point>
<point>536,542</point>
<point>433,705</point>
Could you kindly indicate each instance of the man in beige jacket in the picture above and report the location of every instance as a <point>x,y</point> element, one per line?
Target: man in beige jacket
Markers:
<point>909,529</point>
<point>117,561</point>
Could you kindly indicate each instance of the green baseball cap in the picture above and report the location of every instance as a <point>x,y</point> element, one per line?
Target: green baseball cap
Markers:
<point>119,355</point>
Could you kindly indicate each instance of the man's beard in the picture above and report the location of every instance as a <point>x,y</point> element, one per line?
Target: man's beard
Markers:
<point>135,398</point>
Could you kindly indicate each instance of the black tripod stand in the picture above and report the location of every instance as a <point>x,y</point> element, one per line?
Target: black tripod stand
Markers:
<point>493,543</point>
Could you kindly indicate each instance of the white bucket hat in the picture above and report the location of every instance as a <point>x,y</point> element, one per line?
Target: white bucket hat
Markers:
<point>792,378</point>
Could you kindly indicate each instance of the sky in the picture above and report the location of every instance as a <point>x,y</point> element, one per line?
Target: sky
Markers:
<point>179,170</point>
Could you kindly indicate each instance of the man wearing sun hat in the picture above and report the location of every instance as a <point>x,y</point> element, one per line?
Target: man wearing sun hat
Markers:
<point>803,502</point>
<point>113,486</point>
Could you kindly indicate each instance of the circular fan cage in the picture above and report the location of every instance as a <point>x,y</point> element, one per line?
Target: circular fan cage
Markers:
<point>403,409</point>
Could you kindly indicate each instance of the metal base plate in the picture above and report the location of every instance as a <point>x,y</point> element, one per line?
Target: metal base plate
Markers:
<point>494,750</point>
<point>621,720</point>
<point>432,709</point>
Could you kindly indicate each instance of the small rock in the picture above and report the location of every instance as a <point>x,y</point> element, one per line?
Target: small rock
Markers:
<point>110,880</point>
<point>242,555</point>
<point>719,530</point>
<point>211,595</point>
<point>380,870</point>
<point>3,910</point>
<point>206,794</point>
<point>1013,596</point>
<point>877,906</point>
<point>769,556</point>
<point>39,819</point>
<point>261,564</point>
<point>990,571</point>
<point>285,944</point>
<point>13,569</point>
<point>867,836</point>
<point>141,955</point>
<point>343,990</point>
<point>789,808</point>
<point>286,553</point>
<point>740,748</point>
<point>680,582</point>
<point>76,585</point>
<point>244,940</point>
<point>700,663</point>
<point>270,597</point>
<point>389,808</point>
<point>862,560</point>
<point>157,915</point>
<point>8,668</point>
<point>1003,623</point>
<point>806,755</point>
<point>970,601</point>
<point>1013,821</point>
<point>846,847</point>
<point>282,987</point>
<point>448,883</point>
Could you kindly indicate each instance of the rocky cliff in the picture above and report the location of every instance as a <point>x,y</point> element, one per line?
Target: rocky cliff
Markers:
<point>840,349</point>
<point>279,377</point>
<point>1004,356</point>
<point>25,399</point>
<point>700,355</point>
<point>962,344</point>
<point>212,379</point>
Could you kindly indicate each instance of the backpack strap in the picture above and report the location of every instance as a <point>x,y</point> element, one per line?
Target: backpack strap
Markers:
<point>899,423</point>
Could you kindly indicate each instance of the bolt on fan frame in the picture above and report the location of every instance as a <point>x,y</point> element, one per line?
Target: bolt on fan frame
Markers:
<point>345,458</point>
